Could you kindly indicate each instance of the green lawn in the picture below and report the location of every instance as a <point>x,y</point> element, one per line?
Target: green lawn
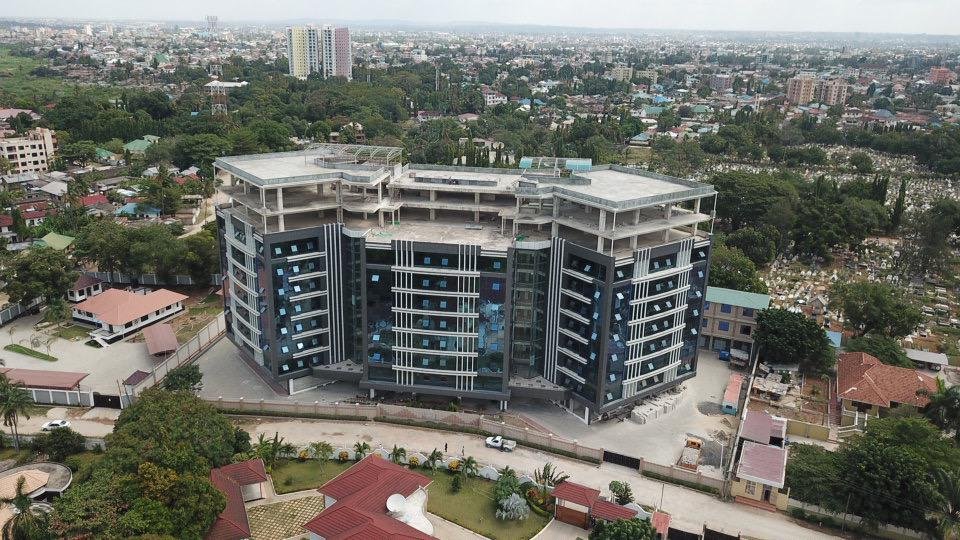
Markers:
<point>72,332</point>
<point>473,508</point>
<point>293,475</point>
<point>13,347</point>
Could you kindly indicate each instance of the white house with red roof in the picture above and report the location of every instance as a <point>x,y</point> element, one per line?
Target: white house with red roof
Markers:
<point>117,313</point>
<point>373,499</point>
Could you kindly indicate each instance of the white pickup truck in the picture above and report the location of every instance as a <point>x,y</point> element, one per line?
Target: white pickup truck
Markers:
<point>504,445</point>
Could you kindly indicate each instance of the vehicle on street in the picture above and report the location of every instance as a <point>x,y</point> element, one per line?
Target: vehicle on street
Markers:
<point>690,457</point>
<point>54,424</point>
<point>498,442</point>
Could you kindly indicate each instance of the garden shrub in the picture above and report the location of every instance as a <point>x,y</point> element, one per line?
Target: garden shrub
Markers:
<point>457,484</point>
<point>513,508</point>
<point>343,456</point>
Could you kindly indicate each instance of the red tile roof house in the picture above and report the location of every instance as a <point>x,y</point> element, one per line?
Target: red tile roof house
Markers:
<point>581,506</point>
<point>868,388</point>
<point>116,313</point>
<point>239,483</point>
<point>374,499</point>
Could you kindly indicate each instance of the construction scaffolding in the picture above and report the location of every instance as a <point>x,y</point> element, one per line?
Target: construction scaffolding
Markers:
<point>357,153</point>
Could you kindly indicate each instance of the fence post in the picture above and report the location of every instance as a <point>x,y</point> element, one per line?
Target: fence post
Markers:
<point>641,466</point>
<point>240,404</point>
<point>316,407</point>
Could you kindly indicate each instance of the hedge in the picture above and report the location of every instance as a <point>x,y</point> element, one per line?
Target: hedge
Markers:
<point>685,483</point>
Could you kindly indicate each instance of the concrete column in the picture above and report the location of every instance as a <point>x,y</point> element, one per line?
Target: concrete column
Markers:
<point>636,217</point>
<point>600,244</point>
<point>379,193</point>
<point>433,195</point>
<point>614,224</point>
<point>476,216</point>
<point>696,208</point>
<point>280,198</point>
<point>380,217</point>
<point>633,242</point>
<point>603,220</point>
<point>433,213</point>
<point>263,198</point>
<point>476,198</point>
<point>281,222</point>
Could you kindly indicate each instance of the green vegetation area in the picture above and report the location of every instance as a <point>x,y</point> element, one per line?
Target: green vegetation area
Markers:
<point>72,332</point>
<point>291,475</point>
<point>474,508</point>
<point>13,347</point>
<point>17,82</point>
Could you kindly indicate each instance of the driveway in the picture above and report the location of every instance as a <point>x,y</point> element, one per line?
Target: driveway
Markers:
<point>96,422</point>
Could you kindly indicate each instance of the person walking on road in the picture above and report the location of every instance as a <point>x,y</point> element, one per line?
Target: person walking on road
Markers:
<point>444,448</point>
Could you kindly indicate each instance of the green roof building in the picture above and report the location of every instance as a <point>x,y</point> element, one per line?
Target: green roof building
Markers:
<point>729,321</point>
<point>55,241</point>
<point>140,146</point>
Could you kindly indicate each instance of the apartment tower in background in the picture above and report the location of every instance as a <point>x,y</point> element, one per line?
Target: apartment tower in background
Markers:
<point>800,89</point>
<point>325,50</point>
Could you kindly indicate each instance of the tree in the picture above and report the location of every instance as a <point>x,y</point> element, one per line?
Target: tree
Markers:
<point>874,307</point>
<point>360,448</point>
<point>948,487</point>
<point>15,402</point>
<point>861,218</point>
<point>896,214</point>
<point>398,454</point>
<point>38,272</point>
<point>548,477</point>
<point>434,457</point>
<point>186,378</point>
<point>103,243</point>
<point>810,470</point>
<point>469,466</point>
<point>202,257</point>
<point>59,443</point>
<point>623,529</point>
<point>944,407</point>
<point>731,269</point>
<point>513,508</point>
<point>862,162</point>
<point>322,450</point>
<point>786,337</point>
<point>885,348</point>
<point>622,492</point>
<point>757,245</point>
<point>200,150</point>
<point>80,152</point>
<point>506,485</point>
<point>895,477</point>
<point>26,523</point>
<point>5,166</point>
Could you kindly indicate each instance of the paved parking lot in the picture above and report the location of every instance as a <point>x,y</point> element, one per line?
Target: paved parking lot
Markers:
<point>660,440</point>
<point>226,375</point>
<point>106,367</point>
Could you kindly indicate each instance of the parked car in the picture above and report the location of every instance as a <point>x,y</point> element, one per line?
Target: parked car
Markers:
<point>54,424</point>
<point>498,442</point>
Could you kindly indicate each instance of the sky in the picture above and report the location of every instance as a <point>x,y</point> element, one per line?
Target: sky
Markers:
<point>894,16</point>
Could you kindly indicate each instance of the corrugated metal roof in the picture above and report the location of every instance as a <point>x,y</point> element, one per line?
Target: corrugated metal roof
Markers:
<point>733,297</point>
<point>161,339</point>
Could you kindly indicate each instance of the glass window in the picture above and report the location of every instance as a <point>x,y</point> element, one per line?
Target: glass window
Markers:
<point>747,312</point>
<point>723,326</point>
<point>444,262</point>
<point>443,304</point>
<point>745,330</point>
<point>496,286</point>
<point>706,305</point>
<point>426,283</point>
<point>497,265</point>
<point>726,308</point>
<point>443,324</point>
<point>279,271</point>
<point>426,260</point>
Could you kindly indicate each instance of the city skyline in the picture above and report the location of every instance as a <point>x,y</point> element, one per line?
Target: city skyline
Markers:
<point>887,16</point>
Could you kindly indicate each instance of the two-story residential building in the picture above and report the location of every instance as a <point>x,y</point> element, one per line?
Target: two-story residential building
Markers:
<point>867,388</point>
<point>730,318</point>
<point>761,462</point>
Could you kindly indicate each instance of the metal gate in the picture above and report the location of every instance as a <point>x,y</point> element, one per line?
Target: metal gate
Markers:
<point>620,459</point>
<point>106,400</point>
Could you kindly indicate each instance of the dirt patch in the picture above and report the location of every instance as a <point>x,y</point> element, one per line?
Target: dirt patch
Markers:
<point>709,408</point>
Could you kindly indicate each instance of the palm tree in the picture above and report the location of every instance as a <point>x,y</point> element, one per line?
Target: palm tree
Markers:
<point>25,522</point>
<point>948,484</point>
<point>469,467</point>
<point>434,457</point>
<point>322,450</point>
<point>548,477</point>
<point>361,448</point>
<point>398,454</point>
<point>944,407</point>
<point>15,402</point>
